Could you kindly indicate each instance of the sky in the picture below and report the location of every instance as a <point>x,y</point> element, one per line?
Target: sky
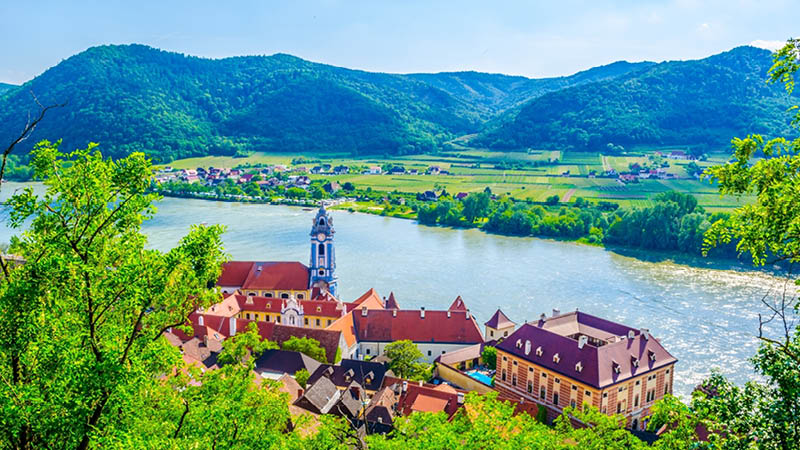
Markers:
<point>534,38</point>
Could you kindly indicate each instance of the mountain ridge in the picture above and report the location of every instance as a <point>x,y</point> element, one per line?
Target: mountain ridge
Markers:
<point>170,105</point>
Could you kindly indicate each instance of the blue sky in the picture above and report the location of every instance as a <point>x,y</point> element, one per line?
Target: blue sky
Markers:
<point>531,38</point>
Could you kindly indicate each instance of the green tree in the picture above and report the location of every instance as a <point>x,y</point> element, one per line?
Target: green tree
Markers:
<point>302,376</point>
<point>80,343</point>
<point>766,230</point>
<point>552,200</point>
<point>308,346</point>
<point>489,357</point>
<point>406,361</point>
<point>476,205</point>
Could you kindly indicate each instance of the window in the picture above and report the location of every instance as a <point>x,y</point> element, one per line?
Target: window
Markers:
<point>322,221</point>
<point>638,382</point>
<point>306,321</point>
<point>651,395</point>
<point>321,249</point>
<point>504,375</point>
<point>252,294</point>
<point>444,351</point>
<point>321,271</point>
<point>505,334</point>
<point>368,351</point>
<point>329,322</point>
<point>317,322</point>
<point>515,363</point>
<point>619,408</point>
<point>247,316</point>
<point>636,401</point>
<point>544,375</point>
<point>284,295</point>
<point>513,379</point>
<point>300,296</point>
<point>556,381</point>
<point>666,389</point>
<point>572,403</point>
<point>268,295</point>
<point>530,386</point>
<point>278,319</point>
<point>605,394</point>
<point>504,358</point>
<point>555,398</point>
<point>530,369</point>
<point>429,353</point>
<point>574,388</point>
<point>543,393</point>
<point>491,333</point>
<point>587,393</point>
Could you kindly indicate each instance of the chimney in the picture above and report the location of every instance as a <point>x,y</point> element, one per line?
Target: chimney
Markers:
<point>363,311</point>
<point>448,314</point>
<point>200,321</point>
<point>300,392</point>
<point>422,312</point>
<point>380,419</point>
<point>394,313</point>
<point>467,315</point>
<point>556,312</point>
<point>646,333</point>
<point>405,385</point>
<point>582,341</point>
<point>460,398</point>
<point>233,326</point>
<point>420,383</point>
<point>205,340</point>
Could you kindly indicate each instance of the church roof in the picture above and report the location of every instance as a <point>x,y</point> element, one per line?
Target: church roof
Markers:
<point>265,275</point>
<point>457,305</point>
<point>499,320</point>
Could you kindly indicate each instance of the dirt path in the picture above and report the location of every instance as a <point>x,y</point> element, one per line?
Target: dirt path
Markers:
<point>568,195</point>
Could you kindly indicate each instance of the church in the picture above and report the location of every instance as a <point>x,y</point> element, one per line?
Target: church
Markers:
<point>289,292</point>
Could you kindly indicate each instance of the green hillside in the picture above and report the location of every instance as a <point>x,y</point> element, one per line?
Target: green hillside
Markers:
<point>703,102</point>
<point>136,98</point>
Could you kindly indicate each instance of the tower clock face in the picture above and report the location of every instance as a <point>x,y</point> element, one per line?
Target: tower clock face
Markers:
<point>321,236</point>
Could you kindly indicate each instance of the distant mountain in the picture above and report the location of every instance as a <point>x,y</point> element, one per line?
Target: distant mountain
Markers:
<point>702,102</point>
<point>136,98</point>
<point>4,87</point>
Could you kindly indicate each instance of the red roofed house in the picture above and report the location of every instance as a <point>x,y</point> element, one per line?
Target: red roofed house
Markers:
<point>420,398</point>
<point>575,358</point>
<point>434,332</point>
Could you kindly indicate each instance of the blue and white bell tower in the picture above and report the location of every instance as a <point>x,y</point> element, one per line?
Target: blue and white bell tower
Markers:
<point>323,258</point>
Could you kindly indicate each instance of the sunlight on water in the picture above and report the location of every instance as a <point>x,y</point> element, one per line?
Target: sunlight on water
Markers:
<point>706,317</point>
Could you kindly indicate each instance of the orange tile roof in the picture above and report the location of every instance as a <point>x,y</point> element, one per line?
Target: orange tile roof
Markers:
<point>265,275</point>
<point>428,404</point>
<point>345,326</point>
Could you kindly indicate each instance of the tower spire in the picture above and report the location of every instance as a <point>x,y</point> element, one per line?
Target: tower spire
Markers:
<point>323,257</point>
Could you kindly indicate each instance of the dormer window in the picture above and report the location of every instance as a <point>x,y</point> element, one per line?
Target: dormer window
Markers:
<point>269,305</point>
<point>539,351</point>
<point>634,361</point>
<point>556,358</point>
<point>615,367</point>
<point>652,355</point>
<point>319,308</point>
<point>579,367</point>
<point>519,343</point>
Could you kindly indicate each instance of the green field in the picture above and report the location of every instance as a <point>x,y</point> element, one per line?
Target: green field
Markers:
<point>474,170</point>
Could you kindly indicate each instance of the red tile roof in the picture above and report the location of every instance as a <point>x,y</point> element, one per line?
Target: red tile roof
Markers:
<point>391,302</point>
<point>423,398</point>
<point>269,275</point>
<point>260,304</point>
<point>324,308</point>
<point>437,326</point>
<point>457,305</point>
<point>219,327</point>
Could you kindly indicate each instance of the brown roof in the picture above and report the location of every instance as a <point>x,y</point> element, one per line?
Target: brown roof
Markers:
<point>423,398</point>
<point>499,320</point>
<point>391,302</point>
<point>456,357</point>
<point>228,307</point>
<point>265,275</point>
<point>370,299</point>
<point>612,353</point>
<point>455,327</point>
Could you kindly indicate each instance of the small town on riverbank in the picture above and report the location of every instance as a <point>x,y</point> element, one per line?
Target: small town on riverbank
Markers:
<point>371,361</point>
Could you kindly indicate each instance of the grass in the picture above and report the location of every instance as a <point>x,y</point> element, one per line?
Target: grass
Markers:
<point>473,170</point>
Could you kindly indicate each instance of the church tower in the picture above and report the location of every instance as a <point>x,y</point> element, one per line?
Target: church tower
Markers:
<point>323,258</point>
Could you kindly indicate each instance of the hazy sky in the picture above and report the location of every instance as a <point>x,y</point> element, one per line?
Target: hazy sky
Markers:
<point>531,38</point>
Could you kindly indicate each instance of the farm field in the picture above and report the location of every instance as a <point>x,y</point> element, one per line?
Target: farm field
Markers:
<point>533,176</point>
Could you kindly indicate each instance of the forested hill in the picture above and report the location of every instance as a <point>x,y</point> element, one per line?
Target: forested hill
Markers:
<point>698,103</point>
<point>6,87</point>
<point>137,98</point>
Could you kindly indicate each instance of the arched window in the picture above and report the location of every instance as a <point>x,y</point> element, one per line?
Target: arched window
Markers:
<point>321,249</point>
<point>322,271</point>
<point>321,221</point>
<point>284,295</point>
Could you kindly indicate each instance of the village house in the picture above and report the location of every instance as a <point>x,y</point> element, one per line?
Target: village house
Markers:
<point>576,358</point>
<point>341,170</point>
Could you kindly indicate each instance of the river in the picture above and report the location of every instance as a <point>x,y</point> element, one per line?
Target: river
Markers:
<point>705,316</point>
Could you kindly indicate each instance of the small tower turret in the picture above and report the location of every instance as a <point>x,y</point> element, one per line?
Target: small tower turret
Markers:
<point>323,257</point>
